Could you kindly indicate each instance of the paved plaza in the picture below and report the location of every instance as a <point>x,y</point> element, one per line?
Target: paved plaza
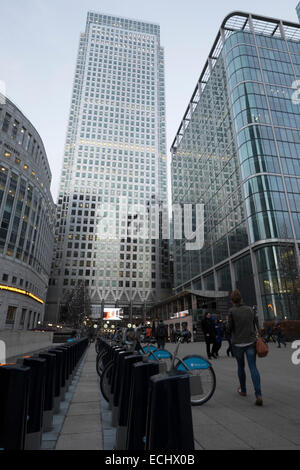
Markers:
<point>227,421</point>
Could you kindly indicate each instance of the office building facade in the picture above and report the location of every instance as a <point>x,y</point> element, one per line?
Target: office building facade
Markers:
<point>26,221</point>
<point>237,152</point>
<point>114,161</point>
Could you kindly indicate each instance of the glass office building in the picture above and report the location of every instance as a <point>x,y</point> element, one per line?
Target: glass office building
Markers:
<point>114,161</point>
<point>298,10</point>
<point>237,151</point>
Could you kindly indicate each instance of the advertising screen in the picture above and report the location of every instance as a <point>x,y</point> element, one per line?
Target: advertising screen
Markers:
<point>113,314</point>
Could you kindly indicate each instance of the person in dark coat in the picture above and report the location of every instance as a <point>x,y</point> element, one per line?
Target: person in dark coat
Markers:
<point>227,336</point>
<point>161,335</point>
<point>210,335</point>
<point>186,335</point>
<point>219,336</point>
<point>280,336</point>
<point>270,335</point>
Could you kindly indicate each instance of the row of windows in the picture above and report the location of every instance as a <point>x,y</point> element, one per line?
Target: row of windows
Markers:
<point>25,223</point>
<point>108,283</point>
<point>19,282</point>
<point>271,224</point>
<point>262,41</point>
<point>27,320</point>
<point>25,166</point>
<point>123,23</point>
<point>20,135</point>
<point>122,39</point>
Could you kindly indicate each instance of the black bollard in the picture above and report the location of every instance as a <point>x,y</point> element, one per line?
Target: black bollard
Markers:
<point>49,390</point>
<point>115,352</point>
<point>67,364</point>
<point>169,418</point>
<point>64,377</point>
<point>58,378</point>
<point>138,404</point>
<point>73,364</point>
<point>14,400</point>
<point>37,366</point>
<point>116,385</point>
<point>121,435</point>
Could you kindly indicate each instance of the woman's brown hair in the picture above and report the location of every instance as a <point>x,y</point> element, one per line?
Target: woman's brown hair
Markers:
<point>236,297</point>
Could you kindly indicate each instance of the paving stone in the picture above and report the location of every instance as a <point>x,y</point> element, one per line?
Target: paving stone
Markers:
<point>81,424</point>
<point>82,429</point>
<point>83,441</point>
<point>84,408</point>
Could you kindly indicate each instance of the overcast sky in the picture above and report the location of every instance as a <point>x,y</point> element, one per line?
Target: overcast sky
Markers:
<point>39,41</point>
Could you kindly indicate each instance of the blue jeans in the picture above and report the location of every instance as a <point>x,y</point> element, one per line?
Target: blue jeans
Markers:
<point>239,354</point>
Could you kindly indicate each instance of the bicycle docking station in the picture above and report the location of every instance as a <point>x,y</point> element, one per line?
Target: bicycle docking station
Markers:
<point>49,390</point>
<point>117,386</point>
<point>113,377</point>
<point>14,397</point>
<point>31,391</point>
<point>33,438</point>
<point>138,404</point>
<point>151,405</point>
<point>122,427</point>
<point>167,429</point>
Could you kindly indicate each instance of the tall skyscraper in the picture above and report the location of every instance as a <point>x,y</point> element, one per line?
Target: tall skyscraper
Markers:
<point>114,162</point>
<point>237,152</point>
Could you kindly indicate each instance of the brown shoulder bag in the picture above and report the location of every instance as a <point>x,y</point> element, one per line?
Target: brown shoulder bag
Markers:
<point>262,348</point>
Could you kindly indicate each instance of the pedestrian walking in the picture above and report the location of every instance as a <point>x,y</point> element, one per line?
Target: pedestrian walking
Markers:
<point>219,336</point>
<point>148,333</point>
<point>242,325</point>
<point>270,334</point>
<point>280,336</point>
<point>177,333</point>
<point>209,335</point>
<point>186,335</point>
<point>161,335</point>
<point>172,334</point>
<point>227,336</point>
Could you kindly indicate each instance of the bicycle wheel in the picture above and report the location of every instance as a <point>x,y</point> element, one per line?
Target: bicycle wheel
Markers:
<point>101,362</point>
<point>105,380</point>
<point>203,378</point>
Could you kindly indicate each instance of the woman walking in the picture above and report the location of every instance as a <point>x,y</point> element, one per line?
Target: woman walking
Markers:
<point>242,326</point>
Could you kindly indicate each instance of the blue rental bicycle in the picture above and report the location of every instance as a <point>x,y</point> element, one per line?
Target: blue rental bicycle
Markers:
<point>202,375</point>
